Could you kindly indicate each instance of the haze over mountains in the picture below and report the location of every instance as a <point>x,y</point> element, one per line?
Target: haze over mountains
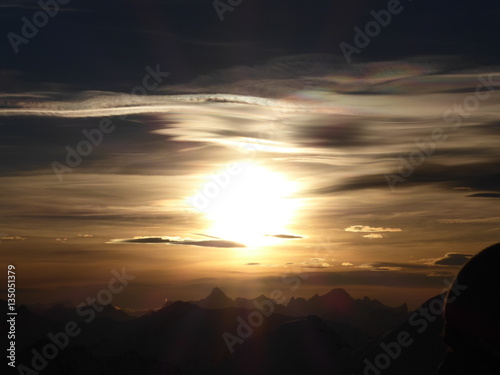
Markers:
<point>337,305</point>
<point>328,334</point>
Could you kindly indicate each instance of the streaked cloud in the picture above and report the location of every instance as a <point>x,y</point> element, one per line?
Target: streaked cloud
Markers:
<point>316,263</point>
<point>485,195</point>
<point>12,238</point>
<point>440,274</point>
<point>373,236</point>
<point>368,229</point>
<point>284,236</point>
<point>179,241</point>
<point>387,268</point>
<point>471,221</point>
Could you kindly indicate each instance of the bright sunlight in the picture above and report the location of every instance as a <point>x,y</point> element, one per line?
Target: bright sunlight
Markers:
<point>249,205</point>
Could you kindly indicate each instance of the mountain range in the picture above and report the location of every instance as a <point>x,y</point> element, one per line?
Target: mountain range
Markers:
<point>325,334</point>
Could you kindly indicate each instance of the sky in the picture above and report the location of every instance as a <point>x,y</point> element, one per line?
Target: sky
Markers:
<point>247,153</point>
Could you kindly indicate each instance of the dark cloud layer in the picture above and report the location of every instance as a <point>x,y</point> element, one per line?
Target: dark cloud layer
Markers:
<point>485,195</point>
<point>453,259</point>
<point>478,175</point>
<point>172,241</point>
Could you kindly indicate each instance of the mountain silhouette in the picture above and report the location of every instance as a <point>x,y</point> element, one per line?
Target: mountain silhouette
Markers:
<point>217,299</point>
<point>331,333</point>
<point>336,301</point>
<point>302,346</point>
<point>422,356</point>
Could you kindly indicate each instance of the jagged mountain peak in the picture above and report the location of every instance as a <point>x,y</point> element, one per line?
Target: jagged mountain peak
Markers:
<point>216,293</point>
<point>215,300</point>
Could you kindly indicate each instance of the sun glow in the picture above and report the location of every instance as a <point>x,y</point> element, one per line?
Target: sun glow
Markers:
<point>250,205</point>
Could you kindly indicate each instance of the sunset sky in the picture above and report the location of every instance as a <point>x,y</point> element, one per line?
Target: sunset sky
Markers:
<point>380,176</point>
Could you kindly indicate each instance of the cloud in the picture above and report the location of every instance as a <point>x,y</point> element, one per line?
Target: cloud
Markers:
<point>252,264</point>
<point>453,259</point>
<point>373,236</point>
<point>12,238</point>
<point>440,274</point>
<point>288,236</point>
<point>380,267</point>
<point>387,268</point>
<point>347,277</point>
<point>85,235</point>
<point>478,175</point>
<point>315,263</point>
<point>485,195</point>
<point>180,241</point>
<point>347,264</point>
<point>367,229</point>
<point>392,266</point>
<point>471,221</point>
<point>399,265</point>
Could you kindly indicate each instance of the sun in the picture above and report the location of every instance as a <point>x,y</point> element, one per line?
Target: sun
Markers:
<point>251,205</point>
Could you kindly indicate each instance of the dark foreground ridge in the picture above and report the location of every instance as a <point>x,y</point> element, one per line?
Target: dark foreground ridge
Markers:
<point>322,334</point>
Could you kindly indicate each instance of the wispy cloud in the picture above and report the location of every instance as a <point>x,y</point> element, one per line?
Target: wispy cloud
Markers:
<point>368,229</point>
<point>387,268</point>
<point>471,221</point>
<point>284,236</point>
<point>396,266</point>
<point>380,267</point>
<point>12,238</point>
<point>373,236</point>
<point>440,274</point>
<point>485,195</point>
